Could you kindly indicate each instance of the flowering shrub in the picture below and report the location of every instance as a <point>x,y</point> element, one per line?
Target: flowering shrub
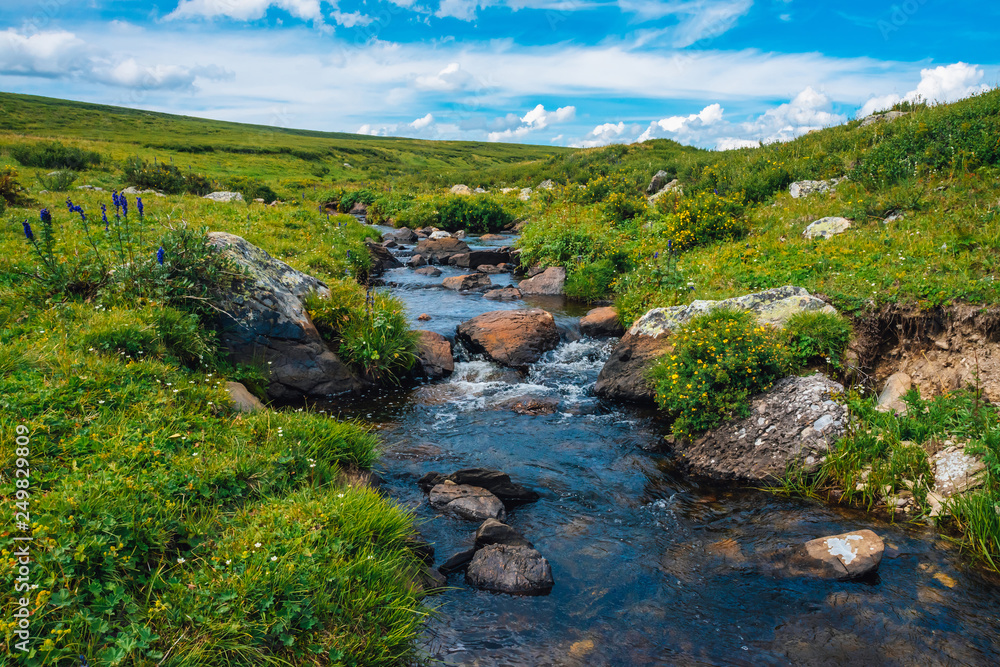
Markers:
<point>719,360</point>
<point>700,219</point>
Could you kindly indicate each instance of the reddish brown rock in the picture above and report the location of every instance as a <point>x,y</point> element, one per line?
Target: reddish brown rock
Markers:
<point>623,377</point>
<point>438,251</point>
<point>434,355</point>
<point>845,556</point>
<point>547,283</point>
<point>472,281</point>
<point>503,294</point>
<point>602,323</point>
<point>514,338</point>
<point>424,317</point>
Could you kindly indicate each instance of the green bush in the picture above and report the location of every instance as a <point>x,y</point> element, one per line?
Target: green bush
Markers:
<point>252,188</point>
<point>158,176</point>
<point>719,360</point>
<point>11,190</point>
<point>699,219</point>
<point>53,155</point>
<point>474,214</point>
<point>421,213</point>
<point>816,337</point>
<point>198,184</point>
<point>369,330</point>
<point>155,332</point>
<point>57,181</point>
<point>591,281</point>
<point>624,206</point>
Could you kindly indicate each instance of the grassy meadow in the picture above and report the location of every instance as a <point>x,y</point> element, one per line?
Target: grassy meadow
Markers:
<point>172,530</point>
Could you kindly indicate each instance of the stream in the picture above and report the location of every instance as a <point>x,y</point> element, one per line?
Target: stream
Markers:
<point>650,567</point>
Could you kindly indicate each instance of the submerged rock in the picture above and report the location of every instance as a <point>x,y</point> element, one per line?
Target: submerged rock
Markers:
<point>793,425</point>
<point>516,570</point>
<point>496,482</point>
<point>263,320</point>
<point>515,338</point>
<point>469,502</point>
<point>845,556</point>
<point>495,532</point>
<point>503,294</point>
<point>434,356</point>
<point>549,282</point>
<point>601,323</point>
<point>431,271</point>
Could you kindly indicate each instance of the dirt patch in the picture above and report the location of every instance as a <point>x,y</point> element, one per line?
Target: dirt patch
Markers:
<point>941,349</point>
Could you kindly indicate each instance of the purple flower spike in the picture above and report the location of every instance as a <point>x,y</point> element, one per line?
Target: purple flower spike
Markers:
<point>45,216</point>
<point>27,231</point>
<point>159,256</point>
<point>138,205</point>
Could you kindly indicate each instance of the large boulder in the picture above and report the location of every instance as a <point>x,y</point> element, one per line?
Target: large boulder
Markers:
<point>472,281</point>
<point>263,320</point>
<point>512,569</point>
<point>845,556</point>
<point>515,338</point>
<point>434,356</point>
<point>623,377</point>
<point>382,259</point>
<point>438,251</point>
<point>791,426</point>
<point>549,282</point>
<point>659,179</point>
<point>602,323</point>
<point>469,502</point>
<point>404,235</point>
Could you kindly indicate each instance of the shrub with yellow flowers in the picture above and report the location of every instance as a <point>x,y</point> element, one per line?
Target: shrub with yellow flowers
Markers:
<point>719,360</point>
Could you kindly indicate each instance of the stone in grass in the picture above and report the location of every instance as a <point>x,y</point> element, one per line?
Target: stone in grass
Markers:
<point>242,399</point>
<point>512,569</point>
<point>827,227</point>
<point>468,502</point>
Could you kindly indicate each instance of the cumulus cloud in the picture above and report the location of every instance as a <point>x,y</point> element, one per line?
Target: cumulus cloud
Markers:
<point>603,134</point>
<point>536,119</point>
<point>60,54</point>
<point>352,19</point>
<point>421,123</point>
<point>945,83</point>
<point>679,127</point>
<point>452,77</point>
<point>246,10</point>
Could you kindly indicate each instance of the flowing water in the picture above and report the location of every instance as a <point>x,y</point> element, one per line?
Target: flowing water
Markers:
<point>650,567</point>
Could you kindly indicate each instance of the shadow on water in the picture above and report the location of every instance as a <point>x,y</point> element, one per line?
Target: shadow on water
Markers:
<point>651,568</point>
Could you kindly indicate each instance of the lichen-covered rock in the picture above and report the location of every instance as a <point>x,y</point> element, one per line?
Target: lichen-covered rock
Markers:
<point>888,117</point>
<point>793,425</point>
<point>224,196</point>
<point>438,251</point>
<point>806,188</point>
<point>434,356</point>
<point>956,471</point>
<point>263,320</point>
<point>512,569</point>
<point>469,502</point>
<point>515,338</point>
<point>657,182</point>
<point>549,282</point>
<point>623,376</point>
<point>826,228</point>
<point>461,189</point>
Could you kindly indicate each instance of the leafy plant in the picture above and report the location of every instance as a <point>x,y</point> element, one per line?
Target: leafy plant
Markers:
<point>252,188</point>
<point>817,337</point>
<point>54,155</point>
<point>11,190</point>
<point>719,360</point>
<point>57,181</point>
<point>591,281</point>
<point>474,214</point>
<point>157,176</point>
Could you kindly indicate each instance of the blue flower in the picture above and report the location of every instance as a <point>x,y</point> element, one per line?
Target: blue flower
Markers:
<point>124,203</point>
<point>45,216</point>
<point>159,256</point>
<point>27,231</point>
<point>670,245</point>
<point>138,205</point>
<point>656,255</point>
<point>104,216</point>
<point>69,205</point>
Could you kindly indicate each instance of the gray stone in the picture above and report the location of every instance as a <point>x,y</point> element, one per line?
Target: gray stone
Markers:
<point>472,503</point>
<point>791,426</point>
<point>461,189</point>
<point>224,196</point>
<point>659,179</point>
<point>827,227</point>
<point>495,532</point>
<point>888,117</point>
<point>805,188</point>
<point>382,259</point>
<point>516,570</point>
<point>440,234</point>
<point>404,235</point>
<point>956,472</point>
<point>263,320</point>
<point>891,398</point>
<point>547,184</point>
<point>524,194</point>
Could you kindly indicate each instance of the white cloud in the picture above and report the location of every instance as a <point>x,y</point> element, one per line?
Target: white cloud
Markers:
<point>603,134</point>
<point>452,77</point>
<point>682,126</point>
<point>945,83</point>
<point>62,55</point>
<point>730,143</point>
<point>352,19</point>
<point>383,131</point>
<point>536,119</point>
<point>421,123</point>
<point>246,10</point>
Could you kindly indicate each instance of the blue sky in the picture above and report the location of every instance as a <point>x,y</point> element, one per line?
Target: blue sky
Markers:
<point>712,73</point>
